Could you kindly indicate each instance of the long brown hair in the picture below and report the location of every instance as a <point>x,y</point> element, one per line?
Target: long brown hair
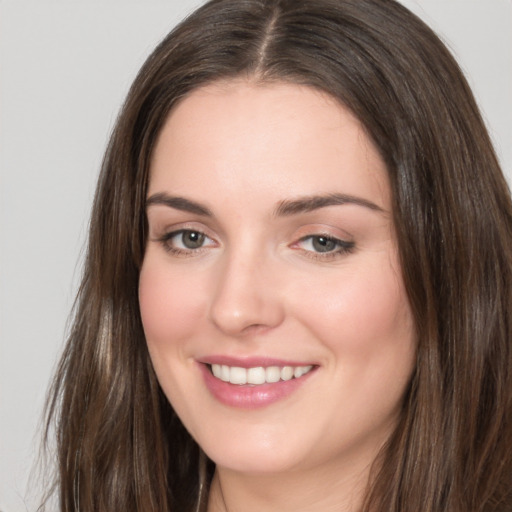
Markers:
<point>120,445</point>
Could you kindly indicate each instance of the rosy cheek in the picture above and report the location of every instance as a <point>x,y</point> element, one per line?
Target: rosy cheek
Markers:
<point>169,307</point>
<point>358,311</point>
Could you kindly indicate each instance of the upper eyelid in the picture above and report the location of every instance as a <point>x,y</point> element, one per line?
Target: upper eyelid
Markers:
<point>313,226</point>
<point>332,232</point>
<point>160,229</point>
<point>322,234</point>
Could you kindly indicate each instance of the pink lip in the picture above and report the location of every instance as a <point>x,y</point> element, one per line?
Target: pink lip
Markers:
<point>249,396</point>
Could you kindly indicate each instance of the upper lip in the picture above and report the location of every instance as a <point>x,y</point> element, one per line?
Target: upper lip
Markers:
<point>250,362</point>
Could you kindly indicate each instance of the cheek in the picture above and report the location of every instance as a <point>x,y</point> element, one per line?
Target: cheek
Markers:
<point>362,313</point>
<point>364,321</point>
<point>170,304</point>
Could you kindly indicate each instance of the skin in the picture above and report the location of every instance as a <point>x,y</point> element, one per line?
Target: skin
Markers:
<point>258,286</point>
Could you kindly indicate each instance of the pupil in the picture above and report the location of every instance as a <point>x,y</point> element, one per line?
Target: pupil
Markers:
<point>323,244</point>
<point>193,239</point>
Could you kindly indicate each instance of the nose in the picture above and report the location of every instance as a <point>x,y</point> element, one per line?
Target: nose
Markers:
<point>247,296</point>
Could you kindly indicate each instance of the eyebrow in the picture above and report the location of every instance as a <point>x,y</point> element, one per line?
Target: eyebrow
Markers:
<point>310,203</point>
<point>284,208</point>
<point>178,203</point>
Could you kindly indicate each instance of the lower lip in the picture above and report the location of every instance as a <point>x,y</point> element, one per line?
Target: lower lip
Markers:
<point>250,396</point>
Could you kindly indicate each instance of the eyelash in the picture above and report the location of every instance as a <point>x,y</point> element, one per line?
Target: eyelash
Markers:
<point>166,239</point>
<point>341,247</point>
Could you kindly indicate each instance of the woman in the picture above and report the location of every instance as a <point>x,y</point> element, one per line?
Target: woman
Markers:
<point>298,282</point>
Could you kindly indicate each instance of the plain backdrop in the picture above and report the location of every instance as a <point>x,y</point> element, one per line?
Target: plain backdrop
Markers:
<point>65,66</point>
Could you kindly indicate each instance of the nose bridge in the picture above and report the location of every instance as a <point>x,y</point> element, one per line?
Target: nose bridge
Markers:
<point>246,294</point>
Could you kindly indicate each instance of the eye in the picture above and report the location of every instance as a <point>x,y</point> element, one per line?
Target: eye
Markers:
<point>188,239</point>
<point>325,245</point>
<point>185,241</point>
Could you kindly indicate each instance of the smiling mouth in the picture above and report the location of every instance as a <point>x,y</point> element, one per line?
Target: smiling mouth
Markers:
<point>257,375</point>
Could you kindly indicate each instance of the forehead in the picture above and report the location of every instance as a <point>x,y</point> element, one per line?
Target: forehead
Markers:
<point>277,138</point>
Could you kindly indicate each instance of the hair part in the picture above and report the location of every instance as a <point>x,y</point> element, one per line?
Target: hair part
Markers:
<point>121,446</point>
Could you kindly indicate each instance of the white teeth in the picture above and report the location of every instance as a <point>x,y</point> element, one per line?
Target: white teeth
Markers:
<point>258,375</point>
<point>224,373</point>
<point>301,370</point>
<point>237,375</point>
<point>273,374</point>
<point>287,373</point>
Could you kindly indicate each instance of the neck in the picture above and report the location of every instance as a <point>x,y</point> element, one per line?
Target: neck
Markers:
<point>314,490</point>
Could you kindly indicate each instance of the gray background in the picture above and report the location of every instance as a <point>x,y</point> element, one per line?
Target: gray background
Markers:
<point>65,67</point>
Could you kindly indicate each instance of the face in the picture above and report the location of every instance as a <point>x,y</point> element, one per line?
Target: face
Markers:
<point>271,293</point>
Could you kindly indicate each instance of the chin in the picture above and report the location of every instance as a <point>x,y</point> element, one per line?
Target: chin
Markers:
<point>254,453</point>
<point>254,461</point>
